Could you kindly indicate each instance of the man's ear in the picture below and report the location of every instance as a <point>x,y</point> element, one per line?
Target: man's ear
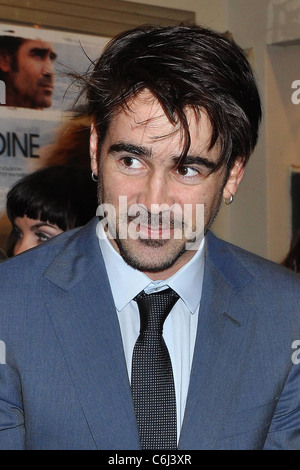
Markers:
<point>5,62</point>
<point>94,150</point>
<point>235,177</point>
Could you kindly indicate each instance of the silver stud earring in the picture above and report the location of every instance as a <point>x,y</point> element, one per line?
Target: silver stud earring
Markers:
<point>94,178</point>
<point>228,200</point>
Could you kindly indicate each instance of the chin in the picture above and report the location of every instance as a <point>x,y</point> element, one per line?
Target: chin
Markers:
<point>150,255</point>
<point>44,103</point>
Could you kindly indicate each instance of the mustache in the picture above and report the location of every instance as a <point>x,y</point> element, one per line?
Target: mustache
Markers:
<point>160,220</point>
<point>46,81</point>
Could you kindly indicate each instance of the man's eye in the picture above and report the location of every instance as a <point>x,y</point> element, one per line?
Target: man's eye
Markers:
<point>127,161</point>
<point>131,162</point>
<point>187,171</point>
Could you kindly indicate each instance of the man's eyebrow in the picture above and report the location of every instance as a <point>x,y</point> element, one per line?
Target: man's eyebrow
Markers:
<point>41,51</point>
<point>138,150</point>
<point>196,159</point>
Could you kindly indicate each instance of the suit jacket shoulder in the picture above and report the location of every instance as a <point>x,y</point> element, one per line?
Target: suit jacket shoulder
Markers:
<point>239,265</point>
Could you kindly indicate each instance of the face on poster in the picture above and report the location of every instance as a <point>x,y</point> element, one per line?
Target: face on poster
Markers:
<point>37,92</point>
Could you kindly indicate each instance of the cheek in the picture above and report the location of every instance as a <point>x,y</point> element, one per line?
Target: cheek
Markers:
<point>192,195</point>
<point>25,82</point>
<point>115,185</point>
<point>207,194</point>
<point>31,72</point>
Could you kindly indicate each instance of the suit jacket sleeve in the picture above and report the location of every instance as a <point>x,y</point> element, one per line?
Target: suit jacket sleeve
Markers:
<point>284,432</point>
<point>12,431</point>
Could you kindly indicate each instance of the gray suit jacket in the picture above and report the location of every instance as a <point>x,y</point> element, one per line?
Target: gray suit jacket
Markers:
<point>63,377</point>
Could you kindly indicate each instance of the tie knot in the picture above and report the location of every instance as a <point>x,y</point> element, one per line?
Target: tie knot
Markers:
<point>154,308</point>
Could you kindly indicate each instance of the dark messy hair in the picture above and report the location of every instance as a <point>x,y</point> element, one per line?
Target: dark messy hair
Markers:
<point>9,46</point>
<point>61,195</point>
<point>292,259</point>
<point>181,66</point>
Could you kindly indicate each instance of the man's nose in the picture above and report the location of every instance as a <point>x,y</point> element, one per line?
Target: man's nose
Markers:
<point>156,192</point>
<point>48,69</point>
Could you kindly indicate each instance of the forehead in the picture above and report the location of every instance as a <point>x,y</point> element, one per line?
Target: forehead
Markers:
<point>25,222</point>
<point>32,44</point>
<point>145,120</point>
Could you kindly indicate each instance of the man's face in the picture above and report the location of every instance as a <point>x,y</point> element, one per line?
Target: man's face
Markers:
<point>30,81</point>
<point>139,160</point>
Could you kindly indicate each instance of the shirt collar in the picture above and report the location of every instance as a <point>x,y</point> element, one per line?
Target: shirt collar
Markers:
<point>126,282</point>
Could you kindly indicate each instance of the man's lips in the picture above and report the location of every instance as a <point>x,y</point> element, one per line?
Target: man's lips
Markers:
<point>46,85</point>
<point>153,232</point>
<point>47,88</point>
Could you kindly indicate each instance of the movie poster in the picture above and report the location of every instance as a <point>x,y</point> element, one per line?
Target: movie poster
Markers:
<point>37,93</point>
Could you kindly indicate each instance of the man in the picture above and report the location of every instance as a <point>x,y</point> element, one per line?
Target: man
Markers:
<point>27,69</point>
<point>213,362</point>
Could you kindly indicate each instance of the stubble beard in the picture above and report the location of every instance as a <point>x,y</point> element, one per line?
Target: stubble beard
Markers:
<point>33,98</point>
<point>154,263</point>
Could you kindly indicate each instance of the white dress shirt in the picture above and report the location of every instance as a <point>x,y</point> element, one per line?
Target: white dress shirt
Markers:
<point>180,327</point>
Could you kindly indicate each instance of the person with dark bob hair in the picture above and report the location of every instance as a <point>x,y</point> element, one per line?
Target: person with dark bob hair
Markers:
<point>142,329</point>
<point>47,202</point>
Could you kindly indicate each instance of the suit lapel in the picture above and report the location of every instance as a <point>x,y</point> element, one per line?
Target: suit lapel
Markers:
<point>225,330</point>
<point>87,327</point>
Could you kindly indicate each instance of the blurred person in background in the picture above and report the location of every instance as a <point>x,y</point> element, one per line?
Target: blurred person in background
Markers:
<point>27,69</point>
<point>71,145</point>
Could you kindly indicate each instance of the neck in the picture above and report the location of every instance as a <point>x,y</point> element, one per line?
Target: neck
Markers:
<point>165,274</point>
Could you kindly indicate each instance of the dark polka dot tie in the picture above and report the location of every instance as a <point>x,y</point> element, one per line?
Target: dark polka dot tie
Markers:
<point>152,380</point>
